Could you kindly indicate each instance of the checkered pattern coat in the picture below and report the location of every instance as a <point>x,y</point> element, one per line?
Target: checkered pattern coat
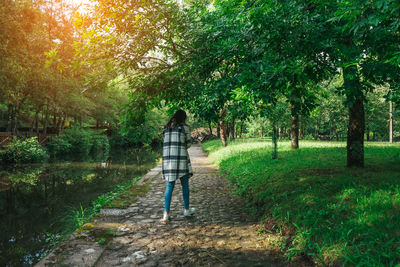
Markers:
<point>175,159</point>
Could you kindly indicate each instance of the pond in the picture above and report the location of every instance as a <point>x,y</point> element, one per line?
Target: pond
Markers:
<point>37,201</point>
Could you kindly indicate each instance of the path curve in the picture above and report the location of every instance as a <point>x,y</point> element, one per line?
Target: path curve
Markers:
<point>220,234</point>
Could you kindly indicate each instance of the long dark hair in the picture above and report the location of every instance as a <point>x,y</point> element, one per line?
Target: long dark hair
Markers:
<point>179,118</point>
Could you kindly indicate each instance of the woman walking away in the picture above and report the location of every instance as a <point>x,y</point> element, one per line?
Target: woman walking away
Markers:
<point>176,162</point>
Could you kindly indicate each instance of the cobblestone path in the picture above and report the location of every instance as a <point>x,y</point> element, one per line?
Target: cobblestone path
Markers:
<point>220,234</point>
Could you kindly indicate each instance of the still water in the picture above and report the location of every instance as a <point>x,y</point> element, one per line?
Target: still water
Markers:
<point>37,201</point>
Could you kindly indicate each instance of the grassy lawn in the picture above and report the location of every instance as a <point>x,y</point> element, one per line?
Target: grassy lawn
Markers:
<point>334,215</point>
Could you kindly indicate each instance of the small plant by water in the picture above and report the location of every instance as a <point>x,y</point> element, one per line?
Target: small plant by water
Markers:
<point>78,217</point>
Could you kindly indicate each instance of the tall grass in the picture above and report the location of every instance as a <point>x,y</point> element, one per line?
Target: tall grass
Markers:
<point>331,213</point>
<point>76,217</point>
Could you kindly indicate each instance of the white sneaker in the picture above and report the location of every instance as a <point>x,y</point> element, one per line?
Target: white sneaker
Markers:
<point>188,212</point>
<point>165,218</point>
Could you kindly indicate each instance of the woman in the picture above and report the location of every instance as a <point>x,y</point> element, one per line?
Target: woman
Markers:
<point>176,162</point>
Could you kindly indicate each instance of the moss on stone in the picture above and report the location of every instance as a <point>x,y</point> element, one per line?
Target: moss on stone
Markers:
<point>129,196</point>
<point>85,228</point>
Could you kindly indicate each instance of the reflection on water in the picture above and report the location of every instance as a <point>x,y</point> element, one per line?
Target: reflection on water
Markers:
<point>35,199</point>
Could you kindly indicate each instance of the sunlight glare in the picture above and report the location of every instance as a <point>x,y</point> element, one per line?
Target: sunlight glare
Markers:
<point>82,4</point>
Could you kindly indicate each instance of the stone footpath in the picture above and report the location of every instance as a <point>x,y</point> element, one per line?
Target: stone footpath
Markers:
<point>220,234</point>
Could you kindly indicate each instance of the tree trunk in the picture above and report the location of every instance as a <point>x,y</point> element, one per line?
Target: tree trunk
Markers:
<point>60,122</point>
<point>390,122</point>
<point>37,120</point>
<point>227,129</point>
<point>368,134</point>
<point>222,126</point>
<point>274,141</point>
<point>63,123</point>
<point>10,118</point>
<point>355,134</point>
<point>218,131</point>
<point>54,118</point>
<point>262,131</point>
<point>209,127</point>
<point>46,119</point>
<point>15,119</point>
<point>237,129</point>
<point>241,129</point>
<point>301,130</point>
<point>335,130</point>
<point>294,133</point>
<point>356,126</point>
<point>232,130</point>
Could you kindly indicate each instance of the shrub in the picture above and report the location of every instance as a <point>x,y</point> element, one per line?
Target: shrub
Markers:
<point>24,151</point>
<point>100,145</point>
<point>149,131</point>
<point>79,142</point>
<point>119,140</point>
<point>79,139</point>
<point>58,146</point>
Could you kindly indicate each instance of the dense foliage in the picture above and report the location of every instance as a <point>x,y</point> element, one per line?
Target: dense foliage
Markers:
<point>228,60</point>
<point>45,85</point>
<point>293,69</point>
<point>224,61</point>
<point>79,142</point>
<point>24,151</point>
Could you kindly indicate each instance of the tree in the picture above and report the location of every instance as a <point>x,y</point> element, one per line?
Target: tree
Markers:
<point>364,36</point>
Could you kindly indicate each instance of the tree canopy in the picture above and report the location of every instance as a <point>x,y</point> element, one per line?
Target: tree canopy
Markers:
<point>225,61</point>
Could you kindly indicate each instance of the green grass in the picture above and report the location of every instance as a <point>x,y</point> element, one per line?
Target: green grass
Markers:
<point>120,197</point>
<point>331,213</point>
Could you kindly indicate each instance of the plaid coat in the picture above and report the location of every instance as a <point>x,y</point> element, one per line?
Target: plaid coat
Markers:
<point>175,159</point>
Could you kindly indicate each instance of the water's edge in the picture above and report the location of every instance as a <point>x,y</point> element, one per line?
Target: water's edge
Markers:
<point>94,249</point>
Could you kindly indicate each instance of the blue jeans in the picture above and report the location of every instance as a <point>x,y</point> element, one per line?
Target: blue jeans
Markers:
<point>185,193</point>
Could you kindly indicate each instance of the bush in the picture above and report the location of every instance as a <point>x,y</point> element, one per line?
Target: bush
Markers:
<point>100,145</point>
<point>79,139</point>
<point>147,132</point>
<point>24,151</point>
<point>79,142</point>
<point>118,140</point>
<point>58,146</point>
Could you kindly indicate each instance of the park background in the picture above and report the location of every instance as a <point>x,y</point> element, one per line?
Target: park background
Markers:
<point>295,101</point>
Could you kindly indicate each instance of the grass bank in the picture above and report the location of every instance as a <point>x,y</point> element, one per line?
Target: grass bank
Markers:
<point>332,214</point>
<point>121,197</point>
<point>78,219</point>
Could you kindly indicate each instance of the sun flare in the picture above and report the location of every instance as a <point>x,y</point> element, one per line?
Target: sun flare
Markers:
<point>83,5</point>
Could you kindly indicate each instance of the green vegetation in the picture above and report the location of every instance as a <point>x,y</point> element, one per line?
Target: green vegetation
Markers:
<point>101,232</point>
<point>79,217</point>
<point>322,70</point>
<point>75,142</point>
<point>334,214</point>
<point>320,62</point>
<point>80,143</point>
<point>291,70</point>
<point>24,151</point>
